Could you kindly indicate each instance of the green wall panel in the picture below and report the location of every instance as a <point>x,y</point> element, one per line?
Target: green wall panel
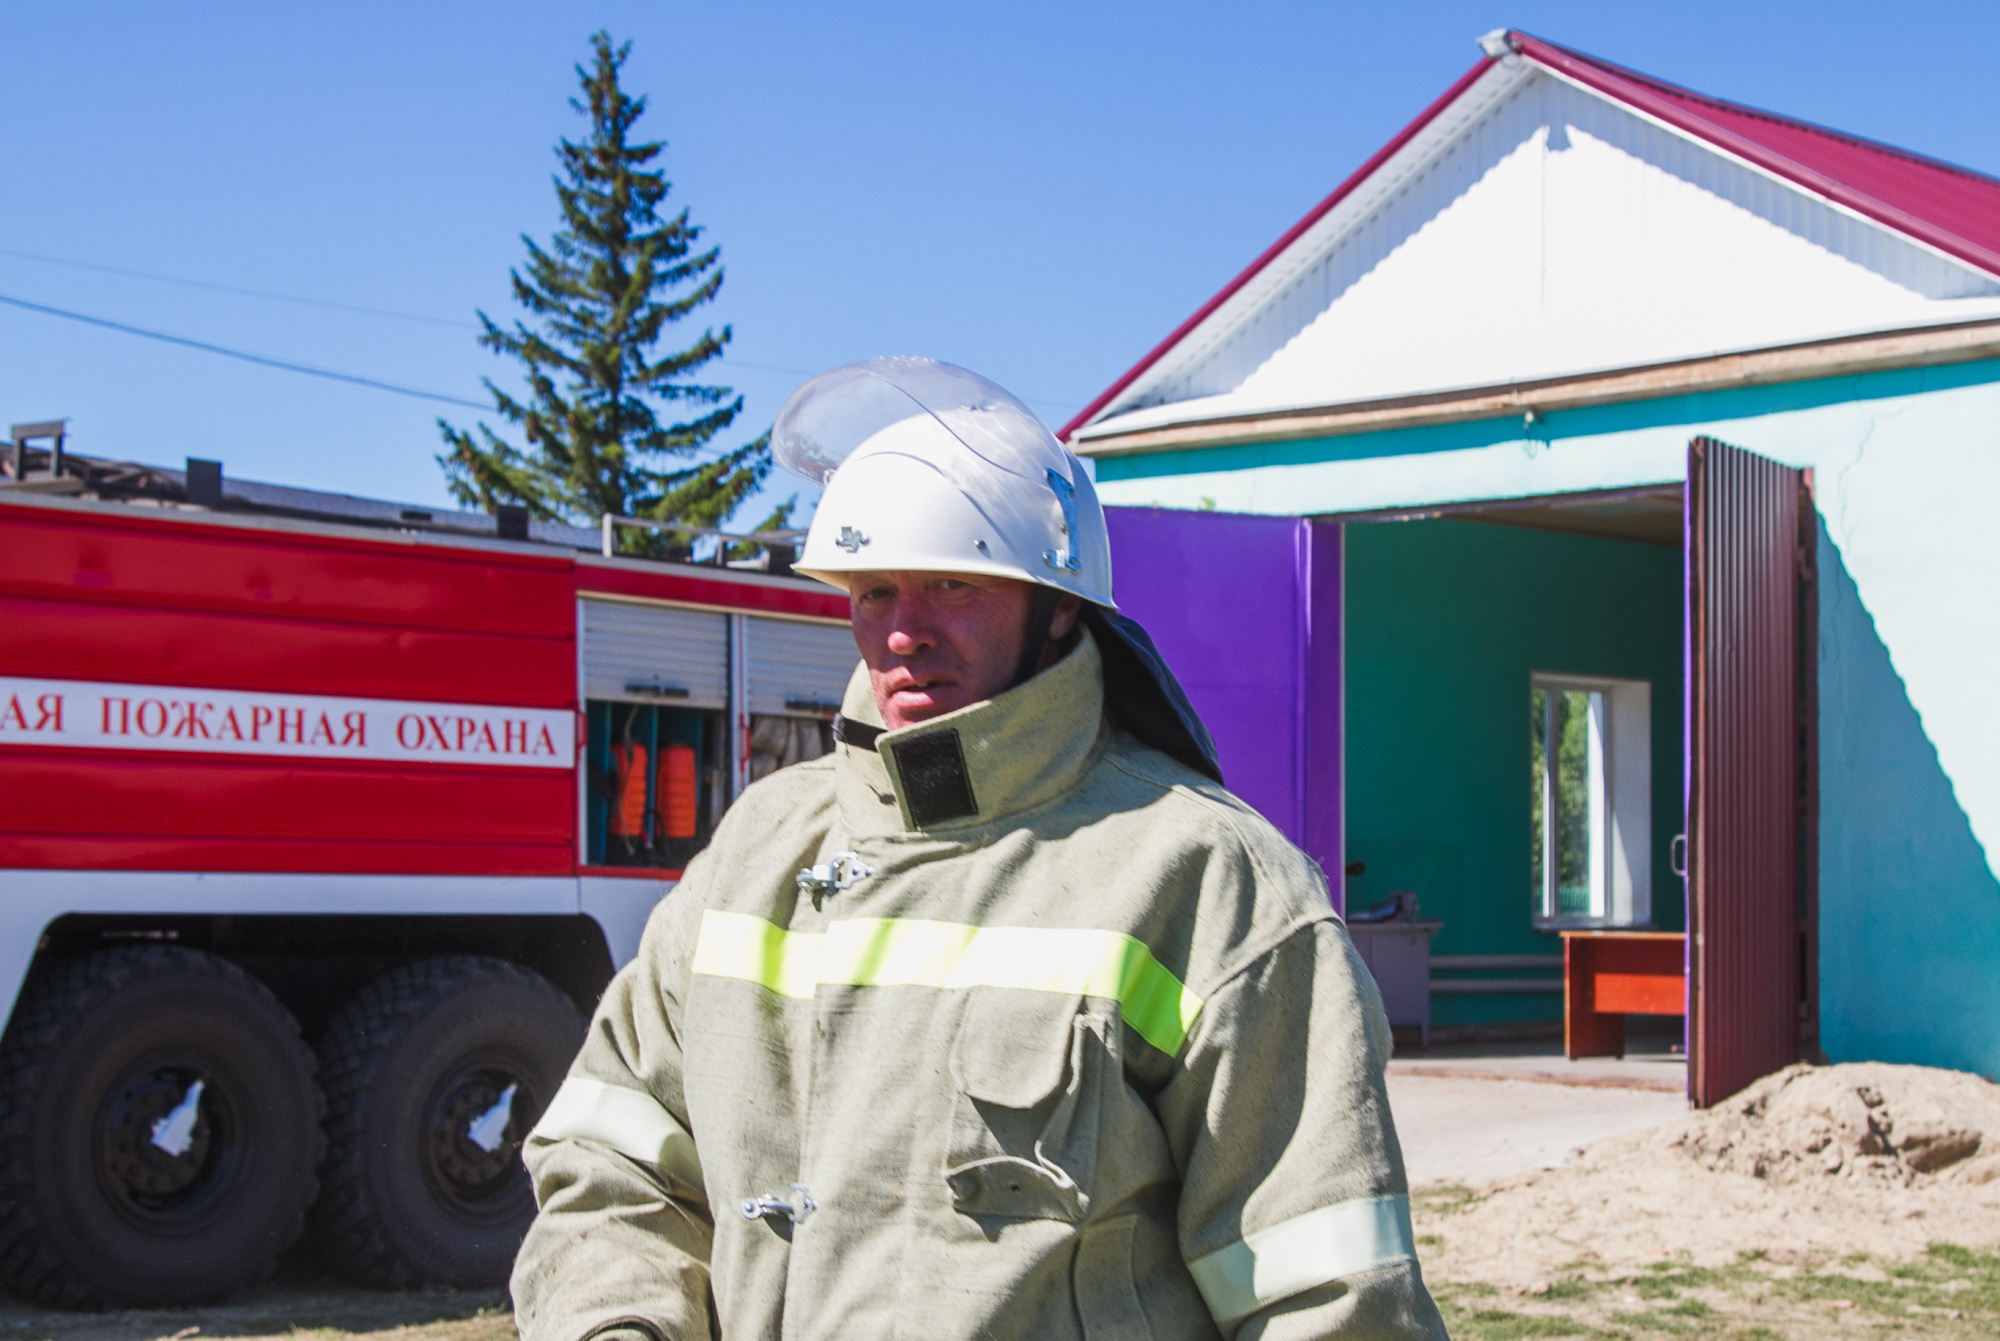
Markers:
<point>1446,621</point>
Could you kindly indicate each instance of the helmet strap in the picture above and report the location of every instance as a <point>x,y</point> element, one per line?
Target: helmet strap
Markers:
<point>1035,640</point>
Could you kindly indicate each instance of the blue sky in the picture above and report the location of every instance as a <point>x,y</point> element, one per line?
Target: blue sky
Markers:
<point>1038,191</point>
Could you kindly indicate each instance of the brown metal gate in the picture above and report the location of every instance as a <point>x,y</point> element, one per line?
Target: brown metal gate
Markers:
<point>1749,737</point>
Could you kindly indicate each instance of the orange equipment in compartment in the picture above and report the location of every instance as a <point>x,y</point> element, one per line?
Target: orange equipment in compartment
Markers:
<point>679,791</point>
<point>628,809</point>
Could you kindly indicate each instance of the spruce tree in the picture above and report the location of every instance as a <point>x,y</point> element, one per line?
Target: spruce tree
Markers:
<point>604,291</point>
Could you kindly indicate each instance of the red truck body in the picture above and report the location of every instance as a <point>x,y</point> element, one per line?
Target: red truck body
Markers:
<point>324,821</point>
<point>287,613</point>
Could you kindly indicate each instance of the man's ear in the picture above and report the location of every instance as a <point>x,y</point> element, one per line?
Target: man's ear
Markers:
<point>1067,611</point>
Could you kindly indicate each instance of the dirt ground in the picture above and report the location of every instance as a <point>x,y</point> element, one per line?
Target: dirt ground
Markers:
<point>296,1306</point>
<point>1849,1201</point>
<point>1807,1165</point>
<point>1859,1199</point>
<point>1946,1293</point>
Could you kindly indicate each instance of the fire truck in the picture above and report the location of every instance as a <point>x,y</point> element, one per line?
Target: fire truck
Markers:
<point>324,821</point>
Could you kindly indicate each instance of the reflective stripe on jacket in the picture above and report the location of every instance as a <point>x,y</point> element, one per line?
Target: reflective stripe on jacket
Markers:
<point>1078,1051</point>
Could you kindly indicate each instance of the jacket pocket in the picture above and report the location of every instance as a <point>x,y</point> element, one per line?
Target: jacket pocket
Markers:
<point>1029,1067</point>
<point>1106,1298</point>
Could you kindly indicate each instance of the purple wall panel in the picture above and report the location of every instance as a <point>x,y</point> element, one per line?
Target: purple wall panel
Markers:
<point>1247,612</point>
<point>1325,695</point>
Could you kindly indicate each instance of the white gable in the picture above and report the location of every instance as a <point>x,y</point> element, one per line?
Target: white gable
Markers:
<point>1542,231</point>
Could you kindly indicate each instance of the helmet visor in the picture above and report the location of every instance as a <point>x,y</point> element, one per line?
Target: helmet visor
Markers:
<point>834,413</point>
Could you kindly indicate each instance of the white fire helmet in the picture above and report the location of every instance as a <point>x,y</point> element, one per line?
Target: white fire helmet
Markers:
<point>931,468</point>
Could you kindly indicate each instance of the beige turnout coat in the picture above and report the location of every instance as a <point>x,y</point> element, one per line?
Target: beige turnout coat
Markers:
<point>1078,1051</point>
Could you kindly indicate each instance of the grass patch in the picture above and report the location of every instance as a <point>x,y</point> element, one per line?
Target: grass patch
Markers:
<point>1952,1293</point>
<point>1445,1198</point>
<point>1670,1280</point>
<point>1574,1289</point>
<point>1654,1321</point>
<point>1973,1277</point>
<point>1495,1324</point>
<point>1471,1313</point>
<point>1948,1277</point>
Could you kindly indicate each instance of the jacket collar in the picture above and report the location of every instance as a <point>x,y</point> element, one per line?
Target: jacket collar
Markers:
<point>971,767</point>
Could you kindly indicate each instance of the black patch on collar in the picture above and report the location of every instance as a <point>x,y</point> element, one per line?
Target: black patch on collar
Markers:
<point>858,734</point>
<point>932,768</point>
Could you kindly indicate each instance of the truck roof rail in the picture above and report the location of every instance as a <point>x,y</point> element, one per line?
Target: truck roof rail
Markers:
<point>780,547</point>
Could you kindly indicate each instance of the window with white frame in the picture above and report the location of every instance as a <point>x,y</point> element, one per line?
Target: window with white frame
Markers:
<point>1590,823</point>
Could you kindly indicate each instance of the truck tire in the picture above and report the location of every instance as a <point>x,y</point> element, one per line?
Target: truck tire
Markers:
<point>434,1074</point>
<point>159,1131</point>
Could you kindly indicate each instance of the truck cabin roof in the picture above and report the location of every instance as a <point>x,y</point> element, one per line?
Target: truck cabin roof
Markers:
<point>202,485</point>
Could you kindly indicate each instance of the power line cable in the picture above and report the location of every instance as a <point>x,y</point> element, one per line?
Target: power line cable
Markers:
<point>331,305</point>
<point>247,357</point>
<point>274,296</point>
<point>730,360</point>
<point>237,289</point>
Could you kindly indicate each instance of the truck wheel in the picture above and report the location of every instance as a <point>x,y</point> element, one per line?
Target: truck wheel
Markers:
<point>434,1074</point>
<point>159,1129</point>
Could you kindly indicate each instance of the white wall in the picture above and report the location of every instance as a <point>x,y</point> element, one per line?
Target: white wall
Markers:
<point>1560,233</point>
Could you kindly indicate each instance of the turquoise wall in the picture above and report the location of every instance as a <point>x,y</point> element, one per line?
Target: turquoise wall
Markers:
<point>1445,622</point>
<point>1909,906</point>
<point>1906,465</point>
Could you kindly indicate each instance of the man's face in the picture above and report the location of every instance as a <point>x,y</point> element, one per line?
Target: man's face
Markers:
<point>938,642</point>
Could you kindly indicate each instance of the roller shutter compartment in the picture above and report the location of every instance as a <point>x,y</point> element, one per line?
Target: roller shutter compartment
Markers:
<point>797,668</point>
<point>655,654</point>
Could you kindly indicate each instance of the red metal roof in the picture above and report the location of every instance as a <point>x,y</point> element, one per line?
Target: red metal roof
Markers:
<point>1276,249</point>
<point>1953,209</point>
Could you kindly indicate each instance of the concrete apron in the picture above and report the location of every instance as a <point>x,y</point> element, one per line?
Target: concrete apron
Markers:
<point>1476,1113</point>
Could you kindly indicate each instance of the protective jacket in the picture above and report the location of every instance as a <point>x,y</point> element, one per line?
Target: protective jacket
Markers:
<point>1010,1027</point>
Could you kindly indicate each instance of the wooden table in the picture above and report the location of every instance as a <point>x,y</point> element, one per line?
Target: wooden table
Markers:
<point>1608,974</point>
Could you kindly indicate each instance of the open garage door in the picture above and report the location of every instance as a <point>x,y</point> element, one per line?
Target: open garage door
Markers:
<point>1749,766</point>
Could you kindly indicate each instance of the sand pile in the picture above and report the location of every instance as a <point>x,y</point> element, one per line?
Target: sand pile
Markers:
<point>1807,1165</point>
<point>1865,1120</point>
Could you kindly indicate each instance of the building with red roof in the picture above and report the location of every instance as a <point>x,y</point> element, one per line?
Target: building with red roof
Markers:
<point>1623,451</point>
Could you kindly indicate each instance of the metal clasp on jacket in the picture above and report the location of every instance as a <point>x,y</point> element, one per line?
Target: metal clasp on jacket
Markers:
<point>840,871</point>
<point>756,1208</point>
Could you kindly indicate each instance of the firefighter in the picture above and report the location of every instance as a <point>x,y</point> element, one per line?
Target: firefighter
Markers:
<point>1005,1019</point>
